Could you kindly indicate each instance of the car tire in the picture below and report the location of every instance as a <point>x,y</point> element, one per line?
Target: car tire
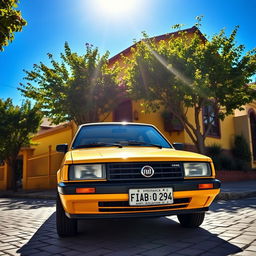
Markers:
<point>65,226</point>
<point>191,220</point>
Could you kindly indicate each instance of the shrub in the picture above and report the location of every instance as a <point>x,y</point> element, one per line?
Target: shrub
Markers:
<point>222,160</point>
<point>227,162</point>
<point>241,153</point>
<point>214,151</point>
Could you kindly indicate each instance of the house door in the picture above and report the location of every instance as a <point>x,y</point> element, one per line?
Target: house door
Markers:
<point>253,133</point>
<point>123,112</point>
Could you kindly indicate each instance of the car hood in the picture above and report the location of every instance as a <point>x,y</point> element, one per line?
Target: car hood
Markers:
<point>130,154</point>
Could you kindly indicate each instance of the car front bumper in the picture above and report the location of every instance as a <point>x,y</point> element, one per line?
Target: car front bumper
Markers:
<point>110,200</point>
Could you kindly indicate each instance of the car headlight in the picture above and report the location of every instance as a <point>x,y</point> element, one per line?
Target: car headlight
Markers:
<point>197,169</point>
<point>87,172</point>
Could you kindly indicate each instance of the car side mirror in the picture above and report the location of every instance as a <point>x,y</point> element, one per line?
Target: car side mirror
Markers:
<point>62,148</point>
<point>178,146</point>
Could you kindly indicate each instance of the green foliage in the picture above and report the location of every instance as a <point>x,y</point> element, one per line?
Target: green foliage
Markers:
<point>222,160</point>
<point>214,150</point>
<point>227,162</point>
<point>79,88</point>
<point>241,152</point>
<point>17,124</point>
<point>191,72</point>
<point>10,20</point>
<point>239,159</point>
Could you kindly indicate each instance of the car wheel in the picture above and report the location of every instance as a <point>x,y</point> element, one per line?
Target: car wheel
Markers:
<point>191,220</point>
<point>65,226</point>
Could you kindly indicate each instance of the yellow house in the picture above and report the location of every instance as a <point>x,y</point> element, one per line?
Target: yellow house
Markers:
<point>40,162</point>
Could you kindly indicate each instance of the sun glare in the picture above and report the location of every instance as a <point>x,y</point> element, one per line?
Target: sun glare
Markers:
<point>115,8</point>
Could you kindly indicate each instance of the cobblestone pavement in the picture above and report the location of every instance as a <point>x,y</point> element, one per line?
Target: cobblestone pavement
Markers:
<point>28,228</point>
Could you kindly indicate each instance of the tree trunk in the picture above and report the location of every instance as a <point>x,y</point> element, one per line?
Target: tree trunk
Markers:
<point>200,145</point>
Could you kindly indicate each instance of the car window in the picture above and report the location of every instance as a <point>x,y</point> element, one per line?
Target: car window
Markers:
<point>122,134</point>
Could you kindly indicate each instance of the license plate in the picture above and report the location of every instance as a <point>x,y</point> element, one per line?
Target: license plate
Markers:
<point>150,196</point>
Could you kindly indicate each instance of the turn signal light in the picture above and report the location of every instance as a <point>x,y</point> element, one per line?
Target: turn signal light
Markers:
<point>205,186</point>
<point>85,190</point>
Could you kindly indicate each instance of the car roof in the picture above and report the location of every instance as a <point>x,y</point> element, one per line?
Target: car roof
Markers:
<point>116,123</point>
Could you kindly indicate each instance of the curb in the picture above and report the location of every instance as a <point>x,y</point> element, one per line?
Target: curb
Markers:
<point>235,195</point>
<point>28,196</point>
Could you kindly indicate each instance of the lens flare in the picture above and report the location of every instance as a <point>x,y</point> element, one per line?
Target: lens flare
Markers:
<point>115,8</point>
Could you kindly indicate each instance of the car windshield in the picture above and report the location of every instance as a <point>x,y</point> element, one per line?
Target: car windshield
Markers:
<point>119,135</point>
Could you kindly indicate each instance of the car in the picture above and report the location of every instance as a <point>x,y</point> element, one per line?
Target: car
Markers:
<point>126,170</point>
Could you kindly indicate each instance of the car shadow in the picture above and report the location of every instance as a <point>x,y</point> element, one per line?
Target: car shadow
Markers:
<point>148,236</point>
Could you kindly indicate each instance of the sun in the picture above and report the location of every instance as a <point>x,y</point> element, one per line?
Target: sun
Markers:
<point>115,8</point>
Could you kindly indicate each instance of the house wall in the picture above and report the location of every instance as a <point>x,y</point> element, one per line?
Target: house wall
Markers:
<point>3,177</point>
<point>227,133</point>
<point>242,127</point>
<point>156,120</point>
<point>52,137</point>
<point>41,165</point>
<point>246,109</point>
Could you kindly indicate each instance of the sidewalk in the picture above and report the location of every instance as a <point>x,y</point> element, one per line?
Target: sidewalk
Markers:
<point>229,191</point>
<point>237,190</point>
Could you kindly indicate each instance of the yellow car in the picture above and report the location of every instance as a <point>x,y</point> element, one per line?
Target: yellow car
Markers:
<point>114,170</point>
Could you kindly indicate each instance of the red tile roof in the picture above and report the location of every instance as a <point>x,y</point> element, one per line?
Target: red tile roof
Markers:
<point>158,38</point>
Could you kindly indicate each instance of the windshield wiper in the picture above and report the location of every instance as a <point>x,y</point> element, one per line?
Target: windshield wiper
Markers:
<point>142,143</point>
<point>99,144</point>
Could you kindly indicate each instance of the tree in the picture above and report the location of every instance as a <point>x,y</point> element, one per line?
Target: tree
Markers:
<point>10,20</point>
<point>79,88</point>
<point>17,124</point>
<point>190,72</point>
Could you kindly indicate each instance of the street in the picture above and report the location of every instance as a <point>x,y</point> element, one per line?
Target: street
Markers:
<point>28,228</point>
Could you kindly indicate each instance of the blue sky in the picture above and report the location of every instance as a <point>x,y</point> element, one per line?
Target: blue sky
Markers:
<point>111,25</point>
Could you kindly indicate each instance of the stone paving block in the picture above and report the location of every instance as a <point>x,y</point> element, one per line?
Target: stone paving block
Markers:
<point>209,253</point>
<point>29,227</point>
<point>176,254</point>
<point>44,254</point>
<point>251,248</point>
<point>206,246</point>
<point>247,253</point>
<point>29,252</point>
<point>191,252</point>
<point>149,245</point>
<point>195,239</point>
<point>227,248</point>
<point>98,252</point>
<point>7,247</point>
<point>225,238</point>
<point>54,249</point>
<point>119,247</point>
<point>229,234</point>
<point>165,250</point>
<point>244,239</point>
<point>72,253</point>
<point>82,248</point>
<point>11,252</point>
<point>122,253</point>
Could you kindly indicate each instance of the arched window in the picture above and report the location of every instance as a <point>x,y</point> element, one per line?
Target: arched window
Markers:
<point>210,116</point>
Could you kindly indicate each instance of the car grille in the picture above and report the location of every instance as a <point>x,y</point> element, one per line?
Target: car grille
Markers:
<point>132,171</point>
<point>123,206</point>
